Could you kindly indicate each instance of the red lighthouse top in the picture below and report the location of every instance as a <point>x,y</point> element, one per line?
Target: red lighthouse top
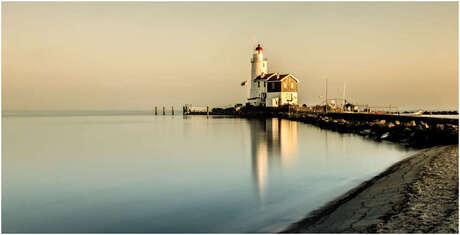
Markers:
<point>258,48</point>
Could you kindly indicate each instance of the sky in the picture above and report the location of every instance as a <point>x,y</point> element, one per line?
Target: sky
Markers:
<point>133,56</point>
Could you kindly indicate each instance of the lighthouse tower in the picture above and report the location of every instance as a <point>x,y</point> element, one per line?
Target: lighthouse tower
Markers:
<point>258,67</point>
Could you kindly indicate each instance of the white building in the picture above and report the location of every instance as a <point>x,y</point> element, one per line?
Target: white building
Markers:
<point>270,89</point>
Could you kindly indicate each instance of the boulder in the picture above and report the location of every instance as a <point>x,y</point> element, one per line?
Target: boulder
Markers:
<point>424,124</point>
<point>440,127</point>
<point>365,132</point>
<point>390,125</point>
<point>385,135</point>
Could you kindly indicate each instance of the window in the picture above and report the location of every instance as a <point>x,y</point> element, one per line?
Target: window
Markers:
<point>265,84</point>
<point>273,85</point>
<point>292,85</point>
<point>258,84</point>
<point>285,85</point>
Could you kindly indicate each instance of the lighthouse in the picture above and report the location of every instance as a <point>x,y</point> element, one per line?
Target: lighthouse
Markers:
<point>269,89</point>
<point>258,67</point>
<point>258,63</point>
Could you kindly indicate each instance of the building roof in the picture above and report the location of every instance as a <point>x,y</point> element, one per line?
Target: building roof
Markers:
<point>279,77</point>
<point>265,76</point>
<point>274,77</point>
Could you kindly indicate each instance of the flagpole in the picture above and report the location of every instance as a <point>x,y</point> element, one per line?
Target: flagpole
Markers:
<point>326,95</point>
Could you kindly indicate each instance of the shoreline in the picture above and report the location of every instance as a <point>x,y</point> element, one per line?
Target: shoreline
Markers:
<point>417,194</point>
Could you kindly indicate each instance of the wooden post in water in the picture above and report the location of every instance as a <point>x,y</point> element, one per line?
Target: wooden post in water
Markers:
<point>156,110</point>
<point>172,110</point>
<point>164,110</point>
<point>207,110</point>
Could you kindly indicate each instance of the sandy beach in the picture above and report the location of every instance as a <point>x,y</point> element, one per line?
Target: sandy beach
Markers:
<point>416,195</point>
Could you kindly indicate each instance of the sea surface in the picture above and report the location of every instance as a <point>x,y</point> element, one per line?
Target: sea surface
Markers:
<point>172,174</point>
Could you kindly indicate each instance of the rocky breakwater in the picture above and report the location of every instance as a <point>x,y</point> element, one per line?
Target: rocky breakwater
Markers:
<point>416,132</point>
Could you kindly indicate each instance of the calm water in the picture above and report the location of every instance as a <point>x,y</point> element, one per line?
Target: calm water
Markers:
<point>170,174</point>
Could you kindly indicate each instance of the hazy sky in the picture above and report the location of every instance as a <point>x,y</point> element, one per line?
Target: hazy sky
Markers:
<point>88,56</point>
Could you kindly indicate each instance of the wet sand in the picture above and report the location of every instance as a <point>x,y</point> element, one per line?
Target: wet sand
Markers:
<point>416,195</point>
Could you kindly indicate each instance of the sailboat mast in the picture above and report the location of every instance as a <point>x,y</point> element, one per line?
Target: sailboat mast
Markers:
<point>326,95</point>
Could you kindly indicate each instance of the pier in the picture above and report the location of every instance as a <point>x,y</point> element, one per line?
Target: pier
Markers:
<point>164,110</point>
<point>188,109</point>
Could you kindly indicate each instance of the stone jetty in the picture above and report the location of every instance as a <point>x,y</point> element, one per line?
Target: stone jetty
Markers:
<point>414,131</point>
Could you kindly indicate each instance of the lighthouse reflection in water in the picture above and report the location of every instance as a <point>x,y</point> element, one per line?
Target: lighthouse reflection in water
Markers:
<point>273,144</point>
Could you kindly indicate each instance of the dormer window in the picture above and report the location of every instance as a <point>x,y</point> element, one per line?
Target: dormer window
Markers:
<point>258,84</point>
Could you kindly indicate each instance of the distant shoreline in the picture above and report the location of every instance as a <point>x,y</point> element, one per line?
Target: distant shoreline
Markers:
<point>75,113</point>
<point>416,195</point>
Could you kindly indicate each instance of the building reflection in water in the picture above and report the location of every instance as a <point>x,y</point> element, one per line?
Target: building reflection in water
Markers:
<point>273,145</point>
